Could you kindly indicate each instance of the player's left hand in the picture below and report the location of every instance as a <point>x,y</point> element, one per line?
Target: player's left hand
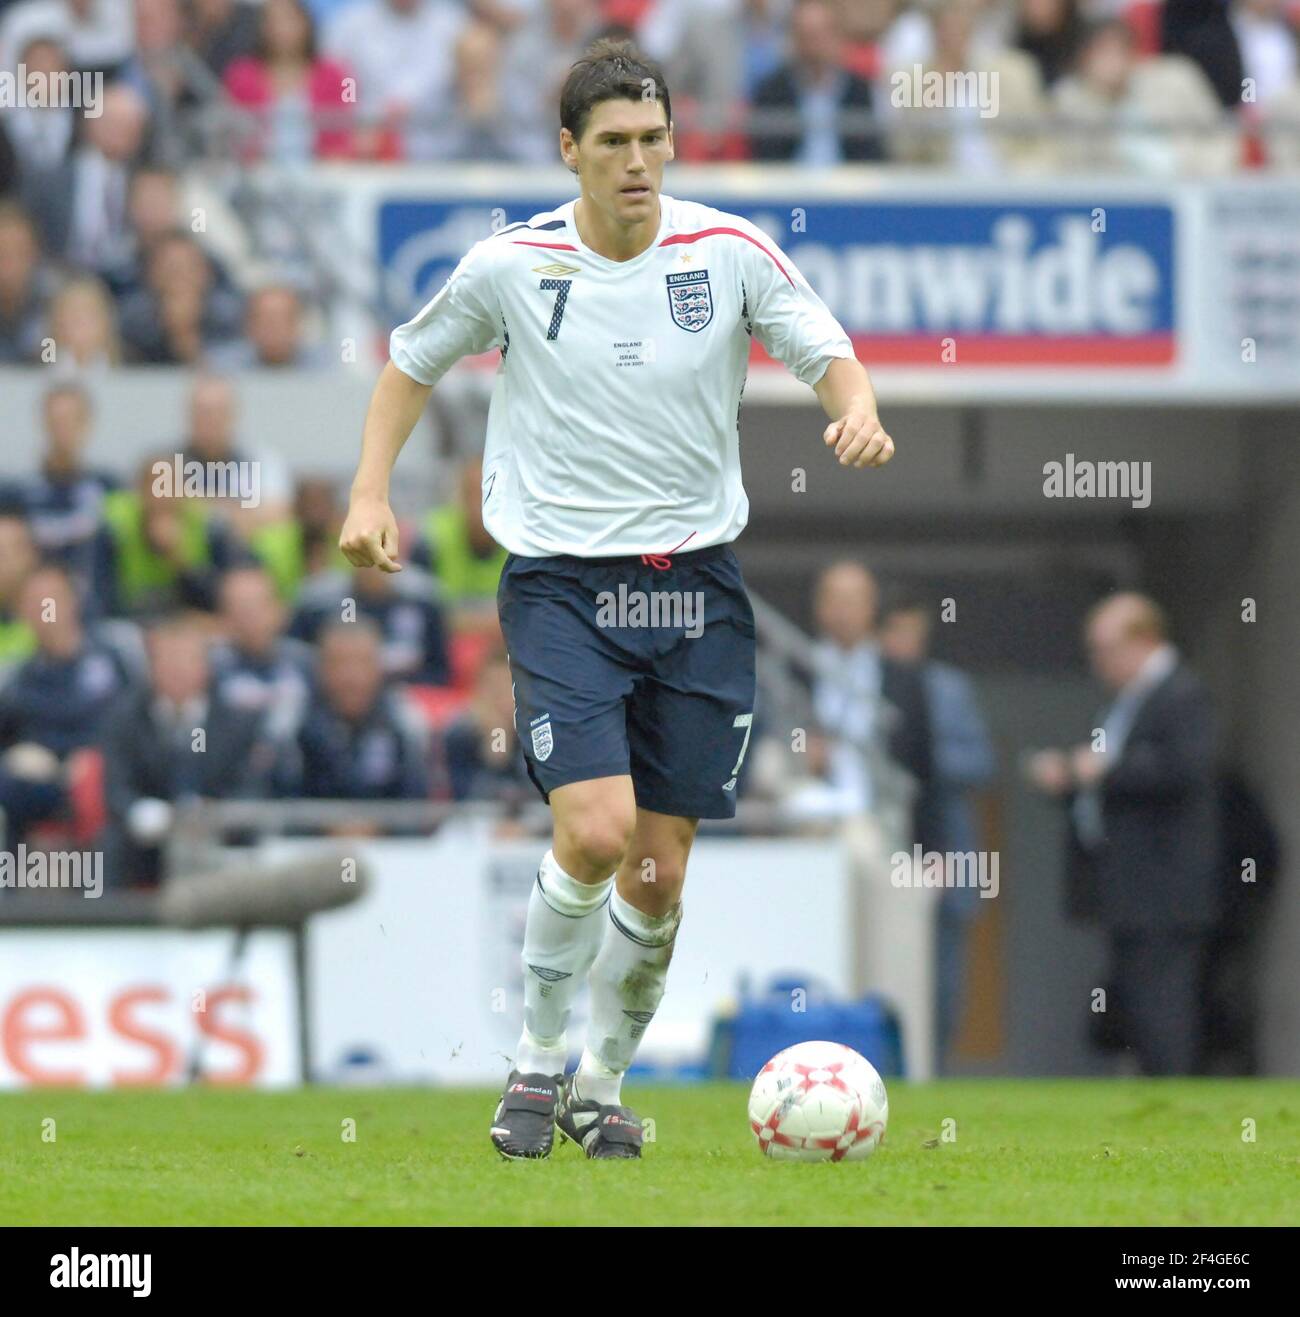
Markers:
<point>859,440</point>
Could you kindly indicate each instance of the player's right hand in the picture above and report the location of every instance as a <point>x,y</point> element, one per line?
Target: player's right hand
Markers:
<point>369,536</point>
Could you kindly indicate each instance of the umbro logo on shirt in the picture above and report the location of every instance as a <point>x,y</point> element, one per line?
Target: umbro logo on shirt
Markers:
<point>556,269</point>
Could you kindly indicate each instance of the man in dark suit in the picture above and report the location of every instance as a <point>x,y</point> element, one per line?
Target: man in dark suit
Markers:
<point>174,741</point>
<point>863,699</point>
<point>1144,828</point>
<point>813,88</point>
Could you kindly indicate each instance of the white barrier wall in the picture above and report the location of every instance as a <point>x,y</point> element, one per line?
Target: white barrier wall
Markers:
<point>104,1007</point>
<point>423,972</point>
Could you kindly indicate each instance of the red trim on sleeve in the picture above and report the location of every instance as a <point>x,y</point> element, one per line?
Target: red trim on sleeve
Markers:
<point>738,233</point>
<point>553,246</point>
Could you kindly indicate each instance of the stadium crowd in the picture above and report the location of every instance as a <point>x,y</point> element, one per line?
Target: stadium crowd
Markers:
<point>103,261</point>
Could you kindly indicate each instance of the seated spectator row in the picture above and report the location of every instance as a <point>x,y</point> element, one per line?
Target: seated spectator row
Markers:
<point>169,638</point>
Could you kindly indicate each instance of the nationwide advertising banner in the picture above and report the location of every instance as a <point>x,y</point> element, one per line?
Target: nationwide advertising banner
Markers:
<point>952,289</point>
<point>918,283</point>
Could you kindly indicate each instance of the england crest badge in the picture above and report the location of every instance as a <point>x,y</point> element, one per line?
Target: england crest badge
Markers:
<point>543,740</point>
<point>691,299</point>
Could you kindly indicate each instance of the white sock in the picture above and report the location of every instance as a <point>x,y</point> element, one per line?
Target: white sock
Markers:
<point>566,920</point>
<point>627,984</point>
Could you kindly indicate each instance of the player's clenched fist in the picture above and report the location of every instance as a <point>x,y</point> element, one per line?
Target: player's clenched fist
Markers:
<point>369,536</point>
<point>859,440</point>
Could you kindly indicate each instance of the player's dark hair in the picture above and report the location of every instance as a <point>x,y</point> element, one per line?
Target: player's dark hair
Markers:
<point>611,69</point>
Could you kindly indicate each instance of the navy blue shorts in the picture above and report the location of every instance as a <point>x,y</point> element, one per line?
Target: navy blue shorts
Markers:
<point>622,667</point>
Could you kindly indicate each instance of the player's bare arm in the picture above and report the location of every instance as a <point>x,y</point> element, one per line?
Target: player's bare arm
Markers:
<point>855,432</point>
<point>369,536</point>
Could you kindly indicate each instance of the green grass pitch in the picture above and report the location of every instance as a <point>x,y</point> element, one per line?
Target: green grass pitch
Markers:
<point>1062,1152</point>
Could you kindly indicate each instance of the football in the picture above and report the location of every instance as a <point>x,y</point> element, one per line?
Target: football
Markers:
<point>818,1102</point>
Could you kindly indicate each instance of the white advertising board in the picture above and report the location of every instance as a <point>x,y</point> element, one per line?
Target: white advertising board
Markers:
<point>118,1006</point>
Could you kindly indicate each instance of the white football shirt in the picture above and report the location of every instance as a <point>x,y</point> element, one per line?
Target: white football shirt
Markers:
<point>614,426</point>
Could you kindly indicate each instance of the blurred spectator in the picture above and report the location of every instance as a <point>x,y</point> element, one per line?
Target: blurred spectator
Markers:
<point>158,550</point>
<point>764,24</point>
<point>458,552</point>
<point>1143,817</point>
<point>97,34</point>
<point>181,311</point>
<point>64,501</point>
<point>991,93</point>
<point>1230,991</point>
<point>963,760</point>
<point>8,165</point>
<point>480,750</point>
<point>212,440</point>
<point>273,333</point>
<point>83,328</point>
<point>1268,47</point>
<point>26,284</point>
<point>910,38</point>
<point>478,130</point>
<point>17,561</point>
<point>42,139</point>
<point>171,78</point>
<point>538,56</point>
<point>815,88</point>
<point>871,712</point>
<point>700,46</point>
<point>299,99</point>
<point>403,608</point>
<point>356,741</point>
<point>54,703</point>
<point>222,31</point>
<point>1280,128</point>
<point>318,518</point>
<point>1201,30</point>
<point>1120,111</point>
<point>98,211</point>
<point>1050,32</point>
<point>256,666</point>
<point>173,742</point>
<point>401,52</point>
